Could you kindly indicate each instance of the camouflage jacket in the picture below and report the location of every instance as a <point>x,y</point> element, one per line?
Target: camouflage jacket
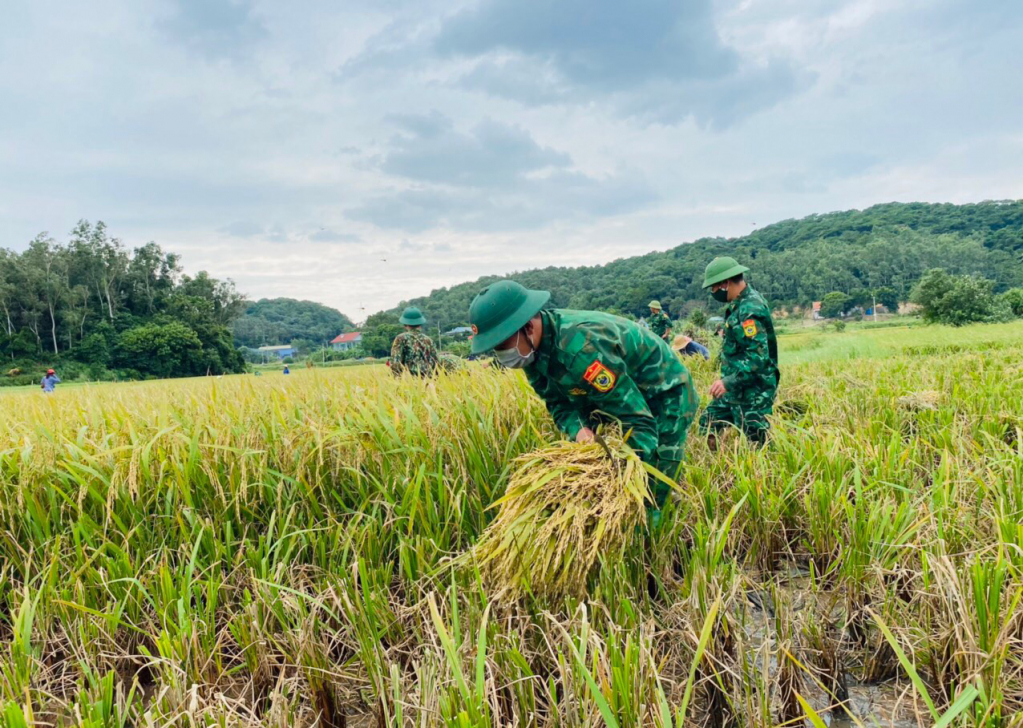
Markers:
<point>749,350</point>
<point>413,352</point>
<point>590,362</point>
<point>660,324</point>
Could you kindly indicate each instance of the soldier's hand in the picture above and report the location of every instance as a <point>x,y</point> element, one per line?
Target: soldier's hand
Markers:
<point>585,435</point>
<point>717,389</point>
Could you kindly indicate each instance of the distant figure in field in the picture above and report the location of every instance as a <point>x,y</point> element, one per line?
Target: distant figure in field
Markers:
<point>412,350</point>
<point>685,346</point>
<point>286,370</point>
<point>659,322</point>
<point>49,381</point>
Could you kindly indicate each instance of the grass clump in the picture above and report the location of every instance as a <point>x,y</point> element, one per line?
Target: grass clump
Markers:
<point>566,505</point>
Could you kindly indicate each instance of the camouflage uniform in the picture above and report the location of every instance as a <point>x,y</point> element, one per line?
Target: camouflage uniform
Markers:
<point>660,324</point>
<point>593,366</point>
<point>749,369</point>
<point>450,362</point>
<point>413,352</point>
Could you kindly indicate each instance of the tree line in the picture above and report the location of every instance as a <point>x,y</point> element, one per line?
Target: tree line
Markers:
<point>95,308</point>
<point>883,249</point>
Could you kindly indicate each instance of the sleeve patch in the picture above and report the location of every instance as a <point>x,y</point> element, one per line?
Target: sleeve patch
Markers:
<point>602,378</point>
<point>749,327</point>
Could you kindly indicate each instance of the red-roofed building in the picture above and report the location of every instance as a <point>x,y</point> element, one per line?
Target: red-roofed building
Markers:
<point>344,342</point>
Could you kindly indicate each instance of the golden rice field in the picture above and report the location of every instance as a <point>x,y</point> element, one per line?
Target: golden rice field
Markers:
<point>290,551</point>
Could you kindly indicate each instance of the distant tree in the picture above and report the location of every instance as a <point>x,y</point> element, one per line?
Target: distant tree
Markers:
<point>271,321</point>
<point>698,318</point>
<point>930,292</point>
<point>1013,298</point>
<point>887,297</point>
<point>165,350</point>
<point>379,332</point>
<point>835,304</point>
<point>958,300</point>
<point>793,262</point>
<point>859,298</point>
<point>94,349</point>
<point>71,303</point>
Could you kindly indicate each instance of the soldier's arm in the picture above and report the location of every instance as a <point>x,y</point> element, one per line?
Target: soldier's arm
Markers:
<point>397,362</point>
<point>756,356</point>
<point>616,394</point>
<point>568,419</point>
<point>565,414</point>
<point>432,355</point>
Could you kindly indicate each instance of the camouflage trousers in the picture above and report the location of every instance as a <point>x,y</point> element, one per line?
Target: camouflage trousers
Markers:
<point>747,411</point>
<point>674,411</point>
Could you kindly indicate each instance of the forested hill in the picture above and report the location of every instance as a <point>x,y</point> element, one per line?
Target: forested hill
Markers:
<point>793,262</point>
<point>94,309</point>
<point>285,321</point>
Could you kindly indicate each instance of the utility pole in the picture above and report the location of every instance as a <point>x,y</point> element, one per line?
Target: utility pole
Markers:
<point>873,297</point>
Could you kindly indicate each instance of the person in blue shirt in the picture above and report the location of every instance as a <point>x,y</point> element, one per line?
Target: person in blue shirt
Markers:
<point>50,381</point>
<point>286,370</point>
<point>687,347</point>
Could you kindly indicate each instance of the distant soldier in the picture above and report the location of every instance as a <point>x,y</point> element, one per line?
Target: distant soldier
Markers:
<point>659,322</point>
<point>590,367</point>
<point>450,362</point>
<point>413,351</point>
<point>744,395</point>
<point>49,381</point>
<point>686,346</point>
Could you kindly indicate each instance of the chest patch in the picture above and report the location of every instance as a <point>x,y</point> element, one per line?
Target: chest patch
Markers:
<point>578,392</point>
<point>749,327</point>
<point>602,378</point>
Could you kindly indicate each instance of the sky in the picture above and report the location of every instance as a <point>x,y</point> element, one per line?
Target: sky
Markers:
<point>364,152</point>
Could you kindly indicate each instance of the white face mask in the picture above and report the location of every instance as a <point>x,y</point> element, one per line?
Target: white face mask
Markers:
<point>511,358</point>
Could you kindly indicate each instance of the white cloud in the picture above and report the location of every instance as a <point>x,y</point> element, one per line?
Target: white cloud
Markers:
<point>297,151</point>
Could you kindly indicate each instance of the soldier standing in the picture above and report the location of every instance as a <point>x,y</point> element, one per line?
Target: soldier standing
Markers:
<point>588,367</point>
<point>412,350</point>
<point>659,322</point>
<point>744,395</point>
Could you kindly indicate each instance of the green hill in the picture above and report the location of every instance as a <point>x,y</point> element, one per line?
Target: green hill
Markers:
<point>272,321</point>
<point>794,262</point>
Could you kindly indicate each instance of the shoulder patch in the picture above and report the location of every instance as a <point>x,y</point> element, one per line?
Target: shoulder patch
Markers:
<point>749,327</point>
<point>602,378</point>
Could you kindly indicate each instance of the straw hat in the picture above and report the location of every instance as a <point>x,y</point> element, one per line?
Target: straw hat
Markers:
<point>680,342</point>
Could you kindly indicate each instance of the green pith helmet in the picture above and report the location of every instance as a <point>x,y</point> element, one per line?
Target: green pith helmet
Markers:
<point>500,310</point>
<point>655,304</point>
<point>721,269</point>
<point>412,316</point>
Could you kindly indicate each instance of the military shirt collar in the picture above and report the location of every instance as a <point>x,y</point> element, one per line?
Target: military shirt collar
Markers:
<point>546,348</point>
<point>733,305</point>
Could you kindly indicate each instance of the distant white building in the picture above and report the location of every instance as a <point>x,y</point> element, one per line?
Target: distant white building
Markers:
<point>344,342</point>
<point>277,351</point>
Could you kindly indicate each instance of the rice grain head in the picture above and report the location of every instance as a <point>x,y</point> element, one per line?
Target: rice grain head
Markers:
<point>565,506</point>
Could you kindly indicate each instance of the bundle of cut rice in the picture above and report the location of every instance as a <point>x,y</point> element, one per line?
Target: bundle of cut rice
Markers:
<point>565,506</point>
<point>920,401</point>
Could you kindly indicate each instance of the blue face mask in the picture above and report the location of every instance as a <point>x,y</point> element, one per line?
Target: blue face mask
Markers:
<point>511,358</point>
